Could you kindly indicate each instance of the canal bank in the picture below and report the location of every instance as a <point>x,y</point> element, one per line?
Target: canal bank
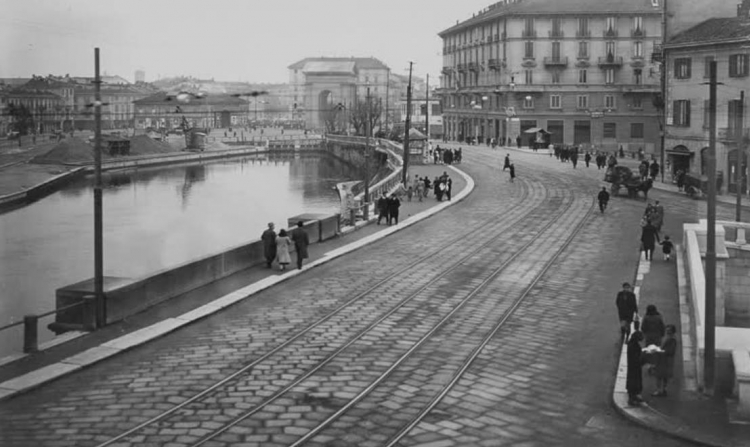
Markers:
<point>29,371</point>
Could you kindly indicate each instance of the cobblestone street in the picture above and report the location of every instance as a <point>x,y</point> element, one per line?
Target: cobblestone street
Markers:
<point>544,378</point>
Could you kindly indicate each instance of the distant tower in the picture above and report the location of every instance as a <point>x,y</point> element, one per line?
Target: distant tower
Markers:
<point>140,76</point>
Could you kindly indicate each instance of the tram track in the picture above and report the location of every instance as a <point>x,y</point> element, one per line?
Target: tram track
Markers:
<point>507,220</point>
<point>426,338</point>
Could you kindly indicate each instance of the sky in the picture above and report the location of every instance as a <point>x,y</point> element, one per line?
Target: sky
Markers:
<point>227,40</point>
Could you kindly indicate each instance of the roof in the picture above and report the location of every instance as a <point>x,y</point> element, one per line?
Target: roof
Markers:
<point>346,67</point>
<point>169,98</point>
<point>361,63</point>
<point>558,7</point>
<point>714,31</point>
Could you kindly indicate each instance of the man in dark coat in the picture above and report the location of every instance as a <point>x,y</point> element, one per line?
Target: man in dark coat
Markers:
<point>301,241</point>
<point>634,378</point>
<point>506,163</point>
<point>653,170</point>
<point>448,188</point>
<point>587,159</point>
<point>603,198</point>
<point>269,244</point>
<point>627,308</point>
<point>649,237</point>
<point>382,208</point>
<point>393,205</point>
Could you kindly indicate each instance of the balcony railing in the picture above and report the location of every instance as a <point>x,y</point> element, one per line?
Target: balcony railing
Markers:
<point>556,61</point>
<point>638,32</point>
<point>462,68</point>
<point>528,34</point>
<point>447,71</point>
<point>610,32</point>
<point>732,133</point>
<point>610,61</point>
<point>495,64</point>
<point>473,66</point>
<point>583,33</point>
<point>556,34</point>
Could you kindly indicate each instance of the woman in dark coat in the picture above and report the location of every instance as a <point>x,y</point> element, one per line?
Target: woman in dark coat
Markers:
<point>665,362</point>
<point>652,326</point>
<point>634,381</point>
<point>649,237</point>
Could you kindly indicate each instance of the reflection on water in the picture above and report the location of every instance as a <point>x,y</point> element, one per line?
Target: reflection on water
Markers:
<point>154,218</point>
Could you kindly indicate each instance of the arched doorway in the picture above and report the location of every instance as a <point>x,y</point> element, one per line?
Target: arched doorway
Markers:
<point>678,159</point>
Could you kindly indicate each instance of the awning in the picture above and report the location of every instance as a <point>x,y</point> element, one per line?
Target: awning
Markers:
<point>534,130</point>
<point>679,151</point>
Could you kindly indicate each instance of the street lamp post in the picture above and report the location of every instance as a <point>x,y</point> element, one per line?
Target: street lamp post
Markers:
<point>368,128</point>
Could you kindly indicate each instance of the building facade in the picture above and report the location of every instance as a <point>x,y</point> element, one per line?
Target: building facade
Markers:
<point>162,111</point>
<point>318,85</point>
<point>580,69</point>
<point>689,54</point>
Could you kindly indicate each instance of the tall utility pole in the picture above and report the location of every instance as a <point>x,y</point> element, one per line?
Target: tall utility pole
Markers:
<point>405,174</point>
<point>387,95</point>
<point>710,327</point>
<point>98,218</point>
<point>427,109</point>
<point>740,177</point>
<point>664,67</point>
<point>366,210</point>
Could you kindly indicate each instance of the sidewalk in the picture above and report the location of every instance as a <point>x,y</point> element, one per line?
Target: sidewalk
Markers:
<point>685,413</point>
<point>34,370</point>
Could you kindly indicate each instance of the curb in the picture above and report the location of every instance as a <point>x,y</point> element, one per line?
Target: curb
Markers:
<point>645,415</point>
<point>35,379</point>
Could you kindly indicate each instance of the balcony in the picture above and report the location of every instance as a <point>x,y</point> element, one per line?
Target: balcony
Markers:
<point>528,34</point>
<point>610,33</point>
<point>732,134</point>
<point>556,34</point>
<point>447,71</point>
<point>495,64</point>
<point>473,66</point>
<point>462,68</point>
<point>556,61</point>
<point>610,61</point>
<point>583,33</point>
<point>638,33</point>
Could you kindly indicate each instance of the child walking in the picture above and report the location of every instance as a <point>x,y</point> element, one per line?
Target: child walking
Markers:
<point>666,247</point>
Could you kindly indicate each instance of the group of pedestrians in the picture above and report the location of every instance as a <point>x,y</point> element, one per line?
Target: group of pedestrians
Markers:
<point>652,344</point>
<point>446,156</point>
<point>278,247</point>
<point>646,170</point>
<point>651,223</point>
<point>388,208</point>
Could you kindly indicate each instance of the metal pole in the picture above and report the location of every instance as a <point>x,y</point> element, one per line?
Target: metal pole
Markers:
<point>710,328</point>
<point>740,156</point>
<point>405,173</point>
<point>98,218</point>
<point>387,94</point>
<point>663,119</point>
<point>427,110</point>
<point>366,211</point>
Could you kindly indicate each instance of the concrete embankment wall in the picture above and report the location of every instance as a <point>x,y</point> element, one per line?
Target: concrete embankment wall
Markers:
<point>131,296</point>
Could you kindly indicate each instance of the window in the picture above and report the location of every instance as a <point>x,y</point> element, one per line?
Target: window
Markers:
<point>528,102</point>
<point>583,101</point>
<point>609,76</point>
<point>637,103</point>
<point>682,67</point>
<point>555,51</point>
<point>611,28</point>
<point>582,76</point>
<point>637,76</point>
<point>681,110</point>
<point>707,66</point>
<point>555,102</point>
<point>583,49</point>
<point>583,27</point>
<point>637,25</point>
<point>636,130</point>
<point>609,101</point>
<point>528,30</point>
<point>556,27</point>
<point>556,76</point>
<point>738,65</point>
<point>638,49</point>
<point>610,130</point>
<point>528,76</point>
<point>610,50</point>
<point>528,50</point>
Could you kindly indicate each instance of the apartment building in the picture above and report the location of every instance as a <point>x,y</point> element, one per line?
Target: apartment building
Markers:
<point>580,69</point>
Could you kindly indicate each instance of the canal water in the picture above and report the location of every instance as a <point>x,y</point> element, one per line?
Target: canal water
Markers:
<point>154,218</point>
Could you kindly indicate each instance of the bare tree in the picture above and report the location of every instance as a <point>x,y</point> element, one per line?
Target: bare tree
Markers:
<point>332,117</point>
<point>358,117</point>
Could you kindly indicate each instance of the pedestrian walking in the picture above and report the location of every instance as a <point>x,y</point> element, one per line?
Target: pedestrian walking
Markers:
<point>649,237</point>
<point>382,205</point>
<point>427,186</point>
<point>512,172</point>
<point>665,361</point>
<point>448,188</point>
<point>420,191</point>
<point>603,198</point>
<point>438,189</point>
<point>393,206</point>
<point>627,309</point>
<point>634,378</point>
<point>587,158</point>
<point>666,247</point>
<point>657,216</point>
<point>269,244</point>
<point>506,163</point>
<point>652,326</point>
<point>301,241</point>
<point>283,247</point>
